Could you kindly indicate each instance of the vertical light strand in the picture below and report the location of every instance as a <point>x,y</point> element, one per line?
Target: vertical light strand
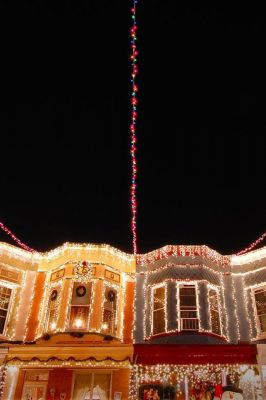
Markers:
<point>133,121</point>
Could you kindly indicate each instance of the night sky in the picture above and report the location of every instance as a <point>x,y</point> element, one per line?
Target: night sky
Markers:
<point>65,114</point>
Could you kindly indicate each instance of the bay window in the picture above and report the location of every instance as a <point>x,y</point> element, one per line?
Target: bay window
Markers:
<point>260,301</point>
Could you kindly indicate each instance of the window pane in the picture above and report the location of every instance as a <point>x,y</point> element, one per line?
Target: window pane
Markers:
<point>159,298</point>
<point>260,298</point>
<point>101,386</point>
<point>262,319</point>
<point>214,312</point>
<point>158,321</point>
<point>79,317</point>
<point>82,387</point>
<point>109,311</point>
<point>81,294</point>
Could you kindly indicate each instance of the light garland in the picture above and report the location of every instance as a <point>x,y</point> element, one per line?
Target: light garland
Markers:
<point>252,245</point>
<point>14,237</point>
<point>182,251</point>
<point>133,147</point>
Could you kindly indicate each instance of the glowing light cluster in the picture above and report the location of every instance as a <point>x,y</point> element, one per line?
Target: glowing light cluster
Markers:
<point>133,121</point>
<point>14,237</point>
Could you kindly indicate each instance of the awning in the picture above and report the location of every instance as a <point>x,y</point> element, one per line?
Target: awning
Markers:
<point>152,354</point>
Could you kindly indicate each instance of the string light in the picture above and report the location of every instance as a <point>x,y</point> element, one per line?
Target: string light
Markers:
<point>252,245</point>
<point>133,121</point>
<point>14,237</point>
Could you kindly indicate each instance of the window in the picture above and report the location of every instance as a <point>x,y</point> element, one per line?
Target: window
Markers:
<point>158,310</point>
<point>5,295</point>
<point>80,306</point>
<point>260,300</point>
<point>188,308</point>
<point>214,312</point>
<point>109,325</point>
<point>92,386</point>
<point>35,385</point>
<point>53,309</point>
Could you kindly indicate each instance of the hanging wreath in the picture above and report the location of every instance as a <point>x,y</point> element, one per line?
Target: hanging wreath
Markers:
<point>54,294</point>
<point>111,296</point>
<point>81,291</point>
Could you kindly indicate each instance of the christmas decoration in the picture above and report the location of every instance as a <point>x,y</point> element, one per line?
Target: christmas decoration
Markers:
<point>14,237</point>
<point>133,136</point>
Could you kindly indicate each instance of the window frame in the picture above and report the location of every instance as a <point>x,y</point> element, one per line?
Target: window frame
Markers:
<point>180,285</point>
<point>109,285</point>
<point>92,372</point>
<point>59,287</point>
<point>153,288</point>
<point>257,319</point>
<point>10,304</point>
<point>216,290</point>
<point>89,306</point>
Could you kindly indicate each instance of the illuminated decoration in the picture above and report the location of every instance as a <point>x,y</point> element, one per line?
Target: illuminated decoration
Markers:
<point>252,245</point>
<point>82,271</point>
<point>182,251</point>
<point>133,135</point>
<point>171,375</point>
<point>2,381</point>
<point>56,362</point>
<point>14,237</point>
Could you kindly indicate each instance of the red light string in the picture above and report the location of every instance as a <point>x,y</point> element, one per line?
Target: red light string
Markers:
<point>14,237</point>
<point>133,121</point>
<point>251,246</point>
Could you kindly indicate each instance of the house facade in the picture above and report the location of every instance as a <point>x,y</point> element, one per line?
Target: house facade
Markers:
<point>88,321</point>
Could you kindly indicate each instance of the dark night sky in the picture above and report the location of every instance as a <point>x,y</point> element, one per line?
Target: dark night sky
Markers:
<point>64,117</point>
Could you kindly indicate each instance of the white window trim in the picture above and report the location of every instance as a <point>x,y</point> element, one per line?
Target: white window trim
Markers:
<point>159,285</point>
<point>215,288</point>
<point>180,284</point>
<point>257,320</point>
<point>13,288</point>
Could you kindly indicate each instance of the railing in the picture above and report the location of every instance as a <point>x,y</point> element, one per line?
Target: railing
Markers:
<point>189,324</point>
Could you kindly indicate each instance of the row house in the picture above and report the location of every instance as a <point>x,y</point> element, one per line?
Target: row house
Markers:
<point>90,322</point>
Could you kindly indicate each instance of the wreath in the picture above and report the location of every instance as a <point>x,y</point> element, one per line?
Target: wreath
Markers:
<point>81,291</point>
<point>111,295</point>
<point>54,295</point>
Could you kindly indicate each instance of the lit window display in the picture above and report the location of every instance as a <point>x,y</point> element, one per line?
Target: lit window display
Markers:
<point>109,311</point>
<point>80,306</point>
<point>158,310</point>
<point>35,385</point>
<point>92,386</point>
<point>53,309</point>
<point>5,295</point>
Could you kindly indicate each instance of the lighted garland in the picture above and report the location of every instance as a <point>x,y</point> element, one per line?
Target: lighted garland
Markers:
<point>133,121</point>
<point>15,238</point>
<point>252,245</point>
